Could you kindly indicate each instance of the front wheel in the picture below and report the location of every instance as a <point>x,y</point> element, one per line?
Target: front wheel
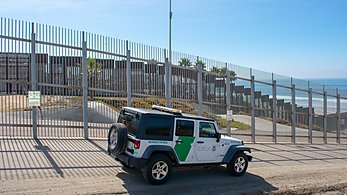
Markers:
<point>238,164</point>
<point>158,169</point>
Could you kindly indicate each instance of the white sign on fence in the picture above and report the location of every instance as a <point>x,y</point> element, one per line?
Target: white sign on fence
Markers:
<point>34,98</point>
<point>229,115</point>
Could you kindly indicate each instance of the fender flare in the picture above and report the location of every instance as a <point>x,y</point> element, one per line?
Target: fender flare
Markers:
<point>159,148</point>
<point>233,150</point>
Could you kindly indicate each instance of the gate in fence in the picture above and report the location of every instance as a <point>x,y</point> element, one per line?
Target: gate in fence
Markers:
<point>85,79</point>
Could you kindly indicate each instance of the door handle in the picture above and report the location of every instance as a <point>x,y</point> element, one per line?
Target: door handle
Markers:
<point>178,141</point>
<point>200,142</point>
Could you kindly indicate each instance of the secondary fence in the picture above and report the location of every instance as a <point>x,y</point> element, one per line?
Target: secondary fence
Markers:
<point>86,78</point>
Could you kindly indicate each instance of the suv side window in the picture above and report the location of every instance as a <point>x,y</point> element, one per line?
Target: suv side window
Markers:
<point>184,128</point>
<point>207,130</point>
<point>158,126</point>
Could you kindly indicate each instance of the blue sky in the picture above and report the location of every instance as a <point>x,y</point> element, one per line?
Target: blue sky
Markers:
<point>303,39</point>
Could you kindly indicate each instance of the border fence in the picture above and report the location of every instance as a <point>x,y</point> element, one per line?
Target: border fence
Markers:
<point>85,78</point>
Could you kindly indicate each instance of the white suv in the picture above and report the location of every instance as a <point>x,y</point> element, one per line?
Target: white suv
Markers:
<point>155,140</point>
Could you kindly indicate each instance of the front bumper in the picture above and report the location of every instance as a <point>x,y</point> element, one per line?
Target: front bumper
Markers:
<point>249,158</point>
<point>131,161</point>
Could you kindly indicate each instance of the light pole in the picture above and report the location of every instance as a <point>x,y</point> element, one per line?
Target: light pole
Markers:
<point>170,55</point>
<point>170,18</point>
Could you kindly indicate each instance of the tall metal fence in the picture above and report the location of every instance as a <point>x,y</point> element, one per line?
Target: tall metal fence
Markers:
<point>85,78</point>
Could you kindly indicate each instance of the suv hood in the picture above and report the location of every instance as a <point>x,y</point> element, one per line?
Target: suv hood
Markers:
<point>230,140</point>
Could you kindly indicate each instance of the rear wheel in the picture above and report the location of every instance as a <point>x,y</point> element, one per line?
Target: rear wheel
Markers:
<point>238,164</point>
<point>158,169</point>
<point>117,138</point>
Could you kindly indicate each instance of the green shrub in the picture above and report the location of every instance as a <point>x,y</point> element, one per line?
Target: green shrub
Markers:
<point>118,103</point>
<point>242,113</point>
<point>234,124</point>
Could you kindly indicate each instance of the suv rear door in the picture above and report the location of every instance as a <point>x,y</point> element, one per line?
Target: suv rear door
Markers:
<point>132,122</point>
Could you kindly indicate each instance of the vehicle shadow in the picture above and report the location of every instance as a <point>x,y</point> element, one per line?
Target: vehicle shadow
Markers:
<point>196,180</point>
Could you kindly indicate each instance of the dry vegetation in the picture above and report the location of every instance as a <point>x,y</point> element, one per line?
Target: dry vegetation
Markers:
<point>118,103</point>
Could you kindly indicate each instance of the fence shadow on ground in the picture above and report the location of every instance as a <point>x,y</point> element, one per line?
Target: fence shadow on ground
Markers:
<point>70,158</point>
<point>45,150</point>
<point>295,154</point>
<point>54,158</point>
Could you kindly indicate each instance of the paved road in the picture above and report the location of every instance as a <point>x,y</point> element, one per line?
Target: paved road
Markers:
<point>264,127</point>
<point>78,166</point>
<point>61,127</point>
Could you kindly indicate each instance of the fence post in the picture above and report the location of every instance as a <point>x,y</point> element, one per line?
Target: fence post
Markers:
<point>310,112</point>
<point>274,111</point>
<point>85,87</point>
<point>325,110</point>
<point>170,80</point>
<point>199,89</point>
<point>128,75</point>
<point>33,78</point>
<point>167,81</point>
<point>338,113</point>
<point>252,108</point>
<point>228,98</point>
<point>293,114</point>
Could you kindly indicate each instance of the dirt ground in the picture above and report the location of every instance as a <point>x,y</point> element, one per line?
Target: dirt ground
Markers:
<point>77,166</point>
<point>286,180</point>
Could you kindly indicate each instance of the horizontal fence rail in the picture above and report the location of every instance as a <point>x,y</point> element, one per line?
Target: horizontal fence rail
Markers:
<point>85,79</point>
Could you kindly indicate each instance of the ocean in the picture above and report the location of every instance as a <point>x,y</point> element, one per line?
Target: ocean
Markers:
<point>301,98</point>
<point>341,84</point>
<point>331,85</point>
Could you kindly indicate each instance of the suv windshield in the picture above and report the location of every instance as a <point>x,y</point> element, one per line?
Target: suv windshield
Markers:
<point>131,121</point>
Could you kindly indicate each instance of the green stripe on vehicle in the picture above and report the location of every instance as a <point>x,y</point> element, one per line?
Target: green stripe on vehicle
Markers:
<point>182,149</point>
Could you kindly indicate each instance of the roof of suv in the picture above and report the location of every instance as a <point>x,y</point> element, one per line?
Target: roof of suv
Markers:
<point>150,111</point>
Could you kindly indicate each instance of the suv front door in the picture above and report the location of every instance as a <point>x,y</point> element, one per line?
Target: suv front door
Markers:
<point>207,147</point>
<point>184,140</point>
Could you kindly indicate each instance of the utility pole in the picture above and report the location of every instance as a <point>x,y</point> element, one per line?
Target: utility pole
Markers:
<point>170,15</point>
<point>170,57</point>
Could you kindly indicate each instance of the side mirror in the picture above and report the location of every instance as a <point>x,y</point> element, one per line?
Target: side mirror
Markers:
<point>218,136</point>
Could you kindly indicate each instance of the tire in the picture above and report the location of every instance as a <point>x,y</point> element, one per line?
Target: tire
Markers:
<point>117,138</point>
<point>238,164</point>
<point>157,170</point>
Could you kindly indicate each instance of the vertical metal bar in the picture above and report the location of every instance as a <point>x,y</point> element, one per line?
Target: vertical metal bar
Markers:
<point>228,98</point>
<point>252,109</point>
<point>2,98</point>
<point>167,78</point>
<point>169,93</point>
<point>325,110</point>
<point>310,110</point>
<point>170,54</point>
<point>33,78</point>
<point>85,86</point>
<point>293,114</point>
<point>274,110</point>
<point>128,69</point>
<point>338,113</point>
<point>199,88</point>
